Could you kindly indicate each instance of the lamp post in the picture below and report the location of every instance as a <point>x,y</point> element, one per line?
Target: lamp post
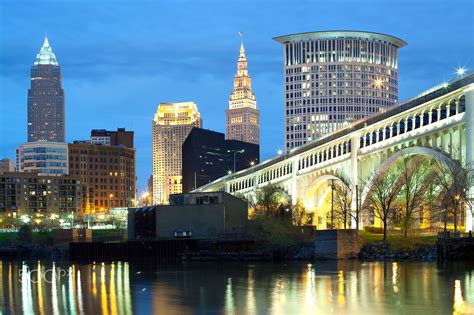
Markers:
<point>332,203</point>
<point>195,177</point>
<point>235,153</point>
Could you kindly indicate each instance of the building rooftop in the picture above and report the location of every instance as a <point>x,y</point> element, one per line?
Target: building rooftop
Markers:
<point>46,55</point>
<point>340,34</point>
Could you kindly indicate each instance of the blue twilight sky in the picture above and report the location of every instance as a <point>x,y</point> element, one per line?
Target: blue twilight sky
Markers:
<point>120,59</point>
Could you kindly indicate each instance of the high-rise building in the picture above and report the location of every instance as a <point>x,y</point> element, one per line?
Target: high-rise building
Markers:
<point>171,125</point>
<point>207,156</point>
<point>332,78</point>
<point>33,195</point>
<point>243,117</point>
<point>43,158</point>
<point>46,109</point>
<point>108,175</point>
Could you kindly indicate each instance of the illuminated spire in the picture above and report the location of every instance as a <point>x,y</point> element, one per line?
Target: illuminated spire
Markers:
<point>242,95</point>
<point>242,50</point>
<point>243,117</point>
<point>46,55</point>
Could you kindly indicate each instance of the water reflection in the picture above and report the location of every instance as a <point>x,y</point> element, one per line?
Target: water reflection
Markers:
<point>235,288</point>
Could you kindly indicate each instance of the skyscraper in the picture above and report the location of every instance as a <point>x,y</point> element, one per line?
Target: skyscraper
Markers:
<point>171,126</point>
<point>46,110</point>
<point>333,78</point>
<point>243,117</point>
<point>208,156</point>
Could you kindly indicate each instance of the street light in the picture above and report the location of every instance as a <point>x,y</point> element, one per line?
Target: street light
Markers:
<point>252,163</point>
<point>195,180</point>
<point>110,200</point>
<point>235,153</point>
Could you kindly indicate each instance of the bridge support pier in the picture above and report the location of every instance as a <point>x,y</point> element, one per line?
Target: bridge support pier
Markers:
<point>469,114</point>
<point>354,179</point>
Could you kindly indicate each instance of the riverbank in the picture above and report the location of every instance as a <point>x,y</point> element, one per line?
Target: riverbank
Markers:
<point>398,247</point>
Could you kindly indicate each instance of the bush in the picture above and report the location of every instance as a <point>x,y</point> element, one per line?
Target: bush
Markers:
<point>25,234</point>
<point>274,231</point>
<point>373,229</point>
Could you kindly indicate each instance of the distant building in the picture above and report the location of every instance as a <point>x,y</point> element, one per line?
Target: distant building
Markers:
<point>119,137</point>
<point>108,174</point>
<point>36,195</point>
<point>46,104</point>
<point>333,78</point>
<point>196,215</point>
<point>6,165</point>
<point>207,156</point>
<point>171,125</point>
<point>42,158</point>
<point>243,117</point>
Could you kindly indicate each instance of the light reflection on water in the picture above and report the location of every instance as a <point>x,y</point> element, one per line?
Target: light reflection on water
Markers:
<point>349,287</point>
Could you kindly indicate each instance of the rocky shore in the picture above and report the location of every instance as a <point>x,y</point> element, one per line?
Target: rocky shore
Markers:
<point>383,251</point>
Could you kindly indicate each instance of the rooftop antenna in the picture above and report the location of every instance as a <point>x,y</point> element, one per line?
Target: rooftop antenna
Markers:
<point>241,34</point>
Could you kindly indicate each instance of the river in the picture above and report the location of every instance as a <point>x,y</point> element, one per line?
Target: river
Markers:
<point>341,287</point>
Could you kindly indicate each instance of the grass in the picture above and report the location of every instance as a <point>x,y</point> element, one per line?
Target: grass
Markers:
<point>398,242</point>
<point>38,237</point>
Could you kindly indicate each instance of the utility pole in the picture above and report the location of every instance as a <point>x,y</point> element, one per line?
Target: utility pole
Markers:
<point>332,204</point>
<point>357,207</point>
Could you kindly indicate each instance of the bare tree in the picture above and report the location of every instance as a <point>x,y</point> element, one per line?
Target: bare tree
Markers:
<point>343,201</point>
<point>381,197</point>
<point>414,172</point>
<point>455,181</point>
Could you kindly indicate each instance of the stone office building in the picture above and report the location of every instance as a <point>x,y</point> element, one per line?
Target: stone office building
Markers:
<point>108,174</point>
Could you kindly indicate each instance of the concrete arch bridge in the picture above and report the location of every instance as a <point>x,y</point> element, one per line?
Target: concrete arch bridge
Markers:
<point>437,123</point>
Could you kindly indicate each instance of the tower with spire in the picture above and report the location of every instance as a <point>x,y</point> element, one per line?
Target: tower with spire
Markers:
<point>243,117</point>
<point>46,104</point>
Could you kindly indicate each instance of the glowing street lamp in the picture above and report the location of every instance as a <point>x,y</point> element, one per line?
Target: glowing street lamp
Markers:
<point>252,163</point>
<point>280,151</point>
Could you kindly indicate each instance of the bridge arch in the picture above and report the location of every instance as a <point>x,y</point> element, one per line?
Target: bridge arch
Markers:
<point>410,151</point>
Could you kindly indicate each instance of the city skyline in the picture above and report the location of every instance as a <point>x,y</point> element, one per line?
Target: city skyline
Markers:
<point>93,93</point>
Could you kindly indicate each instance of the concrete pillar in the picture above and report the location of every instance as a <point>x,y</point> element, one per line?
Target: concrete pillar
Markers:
<point>469,121</point>
<point>294,188</point>
<point>355,143</point>
<point>430,117</point>
<point>451,152</point>
<point>443,142</point>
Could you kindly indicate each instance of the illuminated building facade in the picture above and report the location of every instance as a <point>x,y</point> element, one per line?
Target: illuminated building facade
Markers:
<point>243,117</point>
<point>108,175</point>
<point>32,194</point>
<point>171,126</point>
<point>333,78</point>
<point>46,109</point>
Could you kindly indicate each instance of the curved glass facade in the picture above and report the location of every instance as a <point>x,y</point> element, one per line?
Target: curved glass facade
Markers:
<point>336,79</point>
